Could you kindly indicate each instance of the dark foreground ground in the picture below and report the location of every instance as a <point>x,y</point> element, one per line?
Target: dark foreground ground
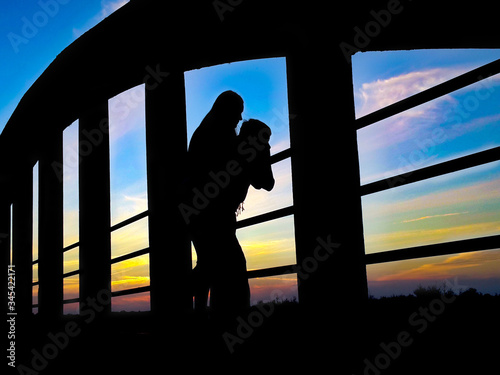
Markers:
<point>433,333</point>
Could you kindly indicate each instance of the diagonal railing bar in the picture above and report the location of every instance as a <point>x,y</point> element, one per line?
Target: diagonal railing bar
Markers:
<point>130,255</point>
<point>265,217</point>
<point>131,220</point>
<point>72,273</point>
<point>447,248</point>
<point>127,292</point>
<point>282,155</point>
<point>71,247</point>
<point>436,170</point>
<point>72,300</point>
<point>274,271</point>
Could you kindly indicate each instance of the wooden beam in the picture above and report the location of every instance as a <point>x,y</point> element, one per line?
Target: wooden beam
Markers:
<point>94,188</point>
<point>170,249</point>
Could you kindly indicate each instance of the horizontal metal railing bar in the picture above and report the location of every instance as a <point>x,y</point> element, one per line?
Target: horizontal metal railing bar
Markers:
<point>72,300</point>
<point>282,212</point>
<point>282,155</point>
<point>68,274</point>
<point>464,162</point>
<point>67,248</point>
<point>127,292</point>
<point>130,256</point>
<point>131,220</point>
<point>71,247</point>
<point>274,271</point>
<point>72,273</point>
<point>447,248</point>
<point>432,93</point>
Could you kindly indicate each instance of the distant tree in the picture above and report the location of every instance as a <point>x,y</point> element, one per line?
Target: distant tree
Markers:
<point>428,293</point>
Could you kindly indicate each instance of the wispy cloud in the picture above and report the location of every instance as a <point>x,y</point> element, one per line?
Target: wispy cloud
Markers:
<point>419,237</point>
<point>142,200</point>
<point>125,205</point>
<point>111,6</point>
<point>474,193</point>
<point>131,273</point>
<point>401,135</point>
<point>133,237</point>
<point>126,111</point>
<point>383,92</point>
<point>434,216</point>
<point>262,254</point>
<point>374,95</point>
<point>391,226</point>
<point>129,282</point>
<point>398,133</point>
<point>478,264</point>
<point>107,7</point>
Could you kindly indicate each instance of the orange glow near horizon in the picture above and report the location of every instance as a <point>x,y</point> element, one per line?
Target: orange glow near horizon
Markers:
<point>273,288</point>
<point>133,302</point>
<point>477,270</point>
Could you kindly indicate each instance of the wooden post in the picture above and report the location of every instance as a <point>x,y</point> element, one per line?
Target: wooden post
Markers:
<point>4,240</point>
<point>94,188</point>
<point>50,254</point>
<point>22,210</point>
<point>328,221</point>
<point>170,251</point>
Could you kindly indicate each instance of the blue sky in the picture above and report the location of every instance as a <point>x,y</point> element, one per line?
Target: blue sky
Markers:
<point>261,84</point>
<point>33,33</point>
<point>372,66</point>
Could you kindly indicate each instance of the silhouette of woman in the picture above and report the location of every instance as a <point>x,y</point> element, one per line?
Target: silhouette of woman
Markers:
<point>222,167</point>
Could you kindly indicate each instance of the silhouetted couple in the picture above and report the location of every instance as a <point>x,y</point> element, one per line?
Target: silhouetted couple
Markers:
<point>222,166</point>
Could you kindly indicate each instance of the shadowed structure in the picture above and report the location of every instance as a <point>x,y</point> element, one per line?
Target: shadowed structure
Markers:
<point>155,42</point>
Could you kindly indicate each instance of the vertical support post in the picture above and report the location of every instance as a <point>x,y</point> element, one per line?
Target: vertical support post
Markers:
<point>94,189</point>
<point>50,254</point>
<point>4,240</point>
<point>170,251</point>
<point>21,256</point>
<point>22,244</point>
<point>328,221</point>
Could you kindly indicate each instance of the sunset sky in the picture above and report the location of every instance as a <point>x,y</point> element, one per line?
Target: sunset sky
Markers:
<point>455,206</point>
<point>262,84</point>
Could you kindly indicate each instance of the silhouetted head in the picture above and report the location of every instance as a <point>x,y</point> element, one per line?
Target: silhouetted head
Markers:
<point>227,109</point>
<point>254,145</point>
<point>255,128</point>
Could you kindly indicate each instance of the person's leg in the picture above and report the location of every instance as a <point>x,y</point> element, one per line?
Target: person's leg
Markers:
<point>201,286</point>
<point>201,273</point>
<point>230,292</point>
<point>224,265</point>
